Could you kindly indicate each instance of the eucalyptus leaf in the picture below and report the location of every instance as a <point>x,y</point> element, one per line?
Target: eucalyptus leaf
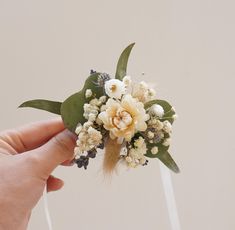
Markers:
<point>161,149</point>
<point>50,106</point>
<point>92,84</point>
<point>168,161</point>
<point>168,109</point>
<point>72,108</point>
<point>122,62</point>
<point>163,155</point>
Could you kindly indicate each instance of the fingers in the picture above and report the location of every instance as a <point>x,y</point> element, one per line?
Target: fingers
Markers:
<point>33,135</point>
<point>56,151</point>
<point>54,184</point>
<point>69,162</point>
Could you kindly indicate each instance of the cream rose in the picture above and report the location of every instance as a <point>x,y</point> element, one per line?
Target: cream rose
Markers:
<point>124,118</point>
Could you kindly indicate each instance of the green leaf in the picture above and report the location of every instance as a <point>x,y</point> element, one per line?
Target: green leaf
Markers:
<point>163,155</point>
<point>161,149</point>
<point>122,62</point>
<point>168,161</point>
<point>91,83</point>
<point>50,106</point>
<point>168,109</point>
<point>72,108</point>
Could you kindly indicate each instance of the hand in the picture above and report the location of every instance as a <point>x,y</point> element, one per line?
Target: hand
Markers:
<point>28,155</point>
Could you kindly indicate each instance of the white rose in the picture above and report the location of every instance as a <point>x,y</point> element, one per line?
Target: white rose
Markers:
<point>115,88</point>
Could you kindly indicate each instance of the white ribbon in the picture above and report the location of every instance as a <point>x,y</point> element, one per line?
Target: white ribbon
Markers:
<point>170,197</point>
<point>46,209</point>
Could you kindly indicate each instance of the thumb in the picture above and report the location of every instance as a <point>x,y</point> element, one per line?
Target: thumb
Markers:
<point>57,150</point>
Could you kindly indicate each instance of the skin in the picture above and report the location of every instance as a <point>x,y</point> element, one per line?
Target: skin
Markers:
<point>28,155</point>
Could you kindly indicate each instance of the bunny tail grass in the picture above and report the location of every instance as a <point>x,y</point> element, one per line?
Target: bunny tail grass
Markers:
<point>112,155</point>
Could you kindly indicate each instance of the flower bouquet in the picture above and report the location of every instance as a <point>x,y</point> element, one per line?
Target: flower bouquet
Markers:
<point>119,115</point>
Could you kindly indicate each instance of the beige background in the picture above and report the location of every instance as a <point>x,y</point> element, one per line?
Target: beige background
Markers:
<point>187,47</point>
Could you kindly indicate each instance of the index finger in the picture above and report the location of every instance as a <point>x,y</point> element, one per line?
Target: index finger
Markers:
<point>33,135</point>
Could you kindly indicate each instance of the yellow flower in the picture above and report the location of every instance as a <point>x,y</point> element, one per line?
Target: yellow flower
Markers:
<point>124,118</point>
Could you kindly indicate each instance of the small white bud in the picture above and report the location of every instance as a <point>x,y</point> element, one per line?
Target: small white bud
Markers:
<point>127,80</point>
<point>175,117</point>
<point>78,129</point>
<point>87,124</point>
<point>103,99</point>
<point>150,135</point>
<point>153,121</point>
<point>156,110</point>
<point>86,107</point>
<point>88,93</point>
<point>128,159</point>
<point>139,142</point>
<point>167,142</point>
<point>94,102</point>
<point>132,164</point>
<point>91,117</point>
<point>143,85</point>
<point>154,150</point>
<point>159,125</point>
<point>167,126</point>
<point>152,93</point>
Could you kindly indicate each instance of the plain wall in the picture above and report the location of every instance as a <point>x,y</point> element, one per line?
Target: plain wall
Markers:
<point>186,47</point>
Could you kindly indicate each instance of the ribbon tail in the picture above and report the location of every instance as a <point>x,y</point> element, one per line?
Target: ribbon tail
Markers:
<point>170,197</point>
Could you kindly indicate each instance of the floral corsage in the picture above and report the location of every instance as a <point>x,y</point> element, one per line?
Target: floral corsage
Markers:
<point>118,115</point>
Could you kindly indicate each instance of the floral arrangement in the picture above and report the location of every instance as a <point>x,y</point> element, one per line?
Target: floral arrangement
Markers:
<point>118,115</point>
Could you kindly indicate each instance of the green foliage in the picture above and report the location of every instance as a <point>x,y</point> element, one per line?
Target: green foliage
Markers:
<point>50,106</point>
<point>167,160</point>
<point>123,61</point>
<point>163,155</point>
<point>168,109</point>
<point>72,108</point>
<point>161,149</point>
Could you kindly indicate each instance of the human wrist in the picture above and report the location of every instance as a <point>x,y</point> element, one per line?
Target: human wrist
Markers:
<point>11,218</point>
